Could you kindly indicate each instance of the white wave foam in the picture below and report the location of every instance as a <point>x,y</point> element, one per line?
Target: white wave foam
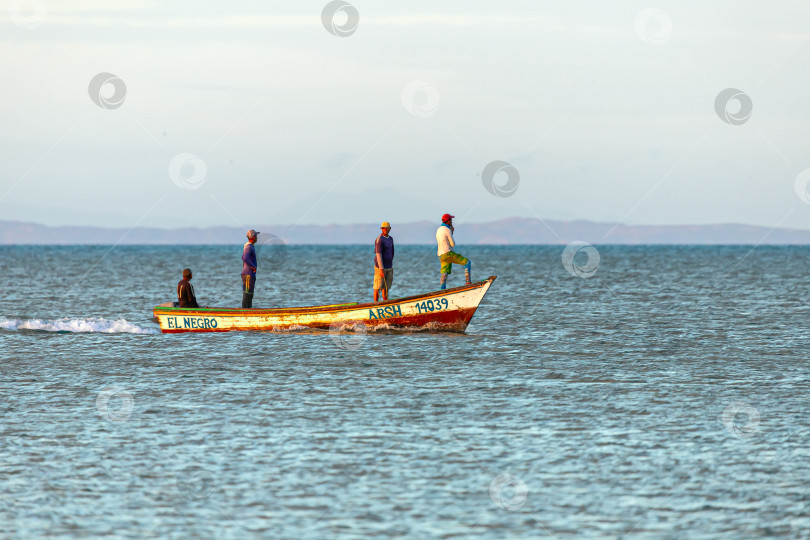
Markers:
<point>106,326</point>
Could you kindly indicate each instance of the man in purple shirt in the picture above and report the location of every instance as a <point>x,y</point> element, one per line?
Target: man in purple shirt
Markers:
<point>249,269</point>
<point>383,262</point>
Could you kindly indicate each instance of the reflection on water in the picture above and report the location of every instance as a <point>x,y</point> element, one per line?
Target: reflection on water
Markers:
<point>663,396</point>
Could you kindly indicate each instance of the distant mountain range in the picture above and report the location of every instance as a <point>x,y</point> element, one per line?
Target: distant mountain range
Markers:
<point>504,231</point>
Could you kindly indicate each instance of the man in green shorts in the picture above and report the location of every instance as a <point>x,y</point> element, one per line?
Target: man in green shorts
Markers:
<point>448,257</point>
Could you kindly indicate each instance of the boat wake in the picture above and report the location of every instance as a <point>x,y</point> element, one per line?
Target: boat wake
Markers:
<point>89,325</point>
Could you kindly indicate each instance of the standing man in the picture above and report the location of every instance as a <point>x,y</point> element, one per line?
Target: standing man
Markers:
<point>249,269</point>
<point>185,292</point>
<point>383,262</point>
<point>448,257</point>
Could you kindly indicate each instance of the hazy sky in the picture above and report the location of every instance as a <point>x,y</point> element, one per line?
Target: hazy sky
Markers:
<point>606,111</point>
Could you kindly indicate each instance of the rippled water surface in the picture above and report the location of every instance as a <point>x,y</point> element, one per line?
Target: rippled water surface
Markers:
<point>664,397</point>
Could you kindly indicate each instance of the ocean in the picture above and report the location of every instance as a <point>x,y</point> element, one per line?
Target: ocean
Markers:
<point>659,392</point>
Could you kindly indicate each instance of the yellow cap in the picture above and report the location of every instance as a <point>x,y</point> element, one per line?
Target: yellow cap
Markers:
<point>385,224</point>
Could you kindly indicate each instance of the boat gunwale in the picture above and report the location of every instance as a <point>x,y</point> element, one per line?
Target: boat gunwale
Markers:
<point>328,308</point>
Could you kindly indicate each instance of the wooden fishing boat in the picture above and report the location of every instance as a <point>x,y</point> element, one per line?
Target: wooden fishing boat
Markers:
<point>448,310</point>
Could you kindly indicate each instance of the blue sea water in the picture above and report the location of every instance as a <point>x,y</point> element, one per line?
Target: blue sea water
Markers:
<point>664,396</point>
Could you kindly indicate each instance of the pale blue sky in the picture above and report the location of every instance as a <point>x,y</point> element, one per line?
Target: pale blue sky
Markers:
<point>295,124</point>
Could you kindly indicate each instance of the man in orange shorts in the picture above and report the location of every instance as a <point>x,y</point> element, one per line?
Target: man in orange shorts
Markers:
<point>383,262</point>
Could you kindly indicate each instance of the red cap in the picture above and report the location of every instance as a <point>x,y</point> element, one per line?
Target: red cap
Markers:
<point>446,218</point>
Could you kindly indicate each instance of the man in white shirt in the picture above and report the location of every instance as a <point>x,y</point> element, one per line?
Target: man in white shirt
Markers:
<point>448,257</point>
